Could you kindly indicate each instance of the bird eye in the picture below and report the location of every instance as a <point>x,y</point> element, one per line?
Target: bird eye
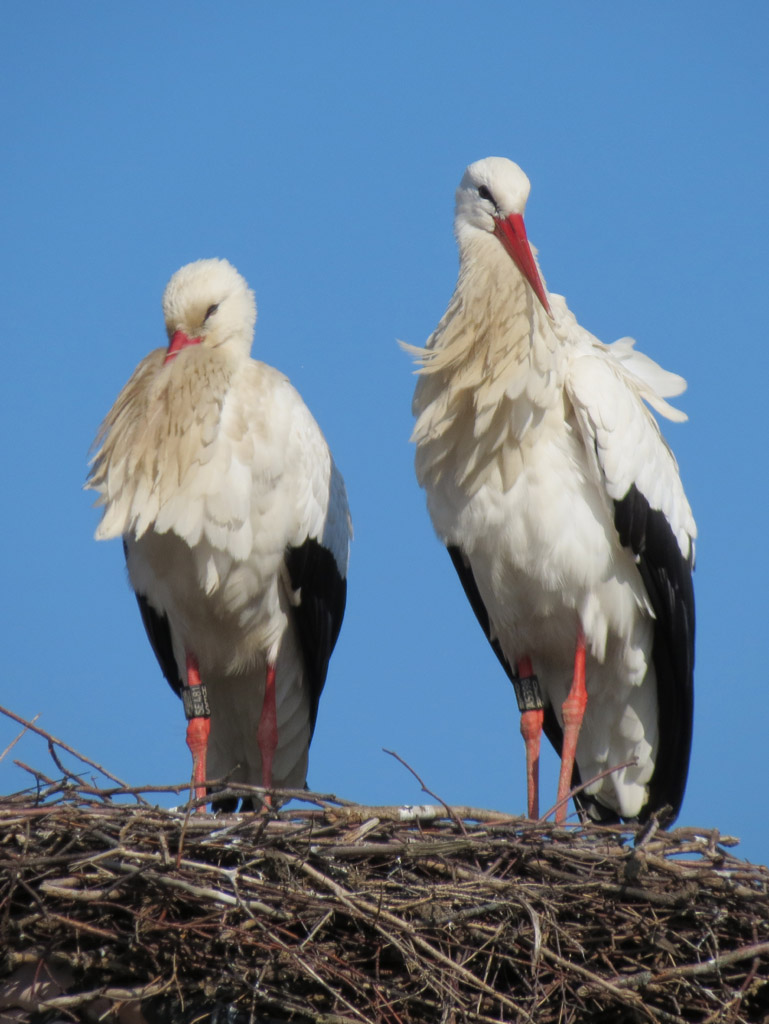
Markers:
<point>484,193</point>
<point>210,311</point>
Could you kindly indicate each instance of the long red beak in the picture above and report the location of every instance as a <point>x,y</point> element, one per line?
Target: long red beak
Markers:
<point>179,341</point>
<point>512,234</point>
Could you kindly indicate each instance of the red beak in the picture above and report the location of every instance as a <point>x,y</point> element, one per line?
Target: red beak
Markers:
<point>512,234</point>
<point>179,341</point>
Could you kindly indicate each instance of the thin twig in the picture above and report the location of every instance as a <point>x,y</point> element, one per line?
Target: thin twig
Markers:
<point>711,966</point>
<point>64,746</point>
<point>429,792</point>
<point>578,789</point>
<point>13,742</point>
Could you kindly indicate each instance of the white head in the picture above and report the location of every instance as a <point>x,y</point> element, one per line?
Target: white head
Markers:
<point>491,188</point>
<point>491,198</point>
<point>208,303</point>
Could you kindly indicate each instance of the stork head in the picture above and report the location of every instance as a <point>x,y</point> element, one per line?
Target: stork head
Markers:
<point>492,197</point>
<point>208,303</point>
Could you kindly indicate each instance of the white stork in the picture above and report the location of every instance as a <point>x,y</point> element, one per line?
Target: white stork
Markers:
<point>236,533</point>
<point>562,508</point>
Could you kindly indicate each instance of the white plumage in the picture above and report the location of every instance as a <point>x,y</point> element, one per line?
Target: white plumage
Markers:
<point>236,530</point>
<point>562,506</point>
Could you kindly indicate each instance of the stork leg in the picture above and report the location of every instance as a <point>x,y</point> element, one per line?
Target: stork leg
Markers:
<point>531,730</point>
<point>267,731</point>
<point>573,710</point>
<point>198,730</point>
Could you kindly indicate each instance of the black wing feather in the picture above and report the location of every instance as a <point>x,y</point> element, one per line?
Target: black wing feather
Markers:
<point>159,635</point>
<point>667,576</point>
<point>313,572</point>
<point>473,595</point>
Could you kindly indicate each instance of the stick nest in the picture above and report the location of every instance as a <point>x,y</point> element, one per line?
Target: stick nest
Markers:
<point>335,913</point>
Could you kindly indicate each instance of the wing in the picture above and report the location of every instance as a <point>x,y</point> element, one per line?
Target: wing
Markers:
<point>318,614</point>
<point>316,558</point>
<point>473,595</point>
<point>638,474</point>
<point>667,576</point>
<point>159,635</point>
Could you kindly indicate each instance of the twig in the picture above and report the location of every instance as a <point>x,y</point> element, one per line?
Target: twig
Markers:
<point>644,978</point>
<point>13,743</point>
<point>352,814</point>
<point>429,792</point>
<point>114,994</point>
<point>598,983</point>
<point>38,775</point>
<point>357,905</point>
<point>64,746</point>
<point>578,789</point>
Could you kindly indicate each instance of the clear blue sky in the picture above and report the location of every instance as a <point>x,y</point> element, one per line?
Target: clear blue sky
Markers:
<point>318,146</point>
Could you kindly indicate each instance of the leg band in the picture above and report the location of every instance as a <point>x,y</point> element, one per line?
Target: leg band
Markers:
<point>528,693</point>
<point>195,701</point>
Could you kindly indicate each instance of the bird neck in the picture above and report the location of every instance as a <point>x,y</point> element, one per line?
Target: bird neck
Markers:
<point>488,371</point>
<point>494,324</point>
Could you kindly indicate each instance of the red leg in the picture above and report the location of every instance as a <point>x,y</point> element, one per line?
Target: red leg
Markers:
<point>198,730</point>
<point>573,709</point>
<point>267,732</point>
<point>531,730</point>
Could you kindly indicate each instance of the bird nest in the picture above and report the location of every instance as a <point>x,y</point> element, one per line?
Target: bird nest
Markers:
<point>335,913</point>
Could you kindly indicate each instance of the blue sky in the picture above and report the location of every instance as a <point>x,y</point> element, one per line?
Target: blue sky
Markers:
<point>318,146</point>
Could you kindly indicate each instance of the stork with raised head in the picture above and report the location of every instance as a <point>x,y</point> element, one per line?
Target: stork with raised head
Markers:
<point>563,511</point>
<point>236,532</point>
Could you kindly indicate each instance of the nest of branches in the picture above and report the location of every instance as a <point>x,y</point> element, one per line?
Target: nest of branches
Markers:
<point>335,913</point>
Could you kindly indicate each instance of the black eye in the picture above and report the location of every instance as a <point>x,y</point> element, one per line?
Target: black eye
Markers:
<point>210,311</point>
<point>484,193</point>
